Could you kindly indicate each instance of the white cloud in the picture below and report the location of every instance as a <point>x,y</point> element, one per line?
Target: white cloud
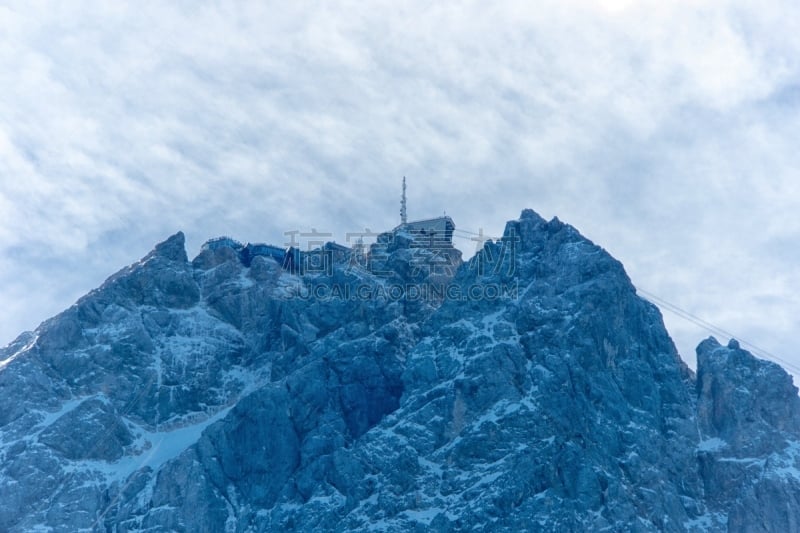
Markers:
<point>664,131</point>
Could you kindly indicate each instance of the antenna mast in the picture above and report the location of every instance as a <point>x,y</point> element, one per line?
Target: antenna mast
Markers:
<point>403,216</point>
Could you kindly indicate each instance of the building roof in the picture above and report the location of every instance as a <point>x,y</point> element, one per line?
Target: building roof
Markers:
<point>218,242</point>
<point>433,223</point>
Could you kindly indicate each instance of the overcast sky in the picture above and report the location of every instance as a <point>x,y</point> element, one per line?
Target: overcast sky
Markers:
<point>665,132</point>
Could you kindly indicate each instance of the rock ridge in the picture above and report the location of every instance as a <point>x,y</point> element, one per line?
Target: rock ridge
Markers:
<point>541,394</point>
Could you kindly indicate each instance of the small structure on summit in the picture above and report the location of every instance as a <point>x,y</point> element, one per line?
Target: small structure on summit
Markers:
<point>419,250</point>
<point>428,233</point>
<point>292,259</point>
<point>431,233</point>
<point>430,241</point>
<point>222,242</point>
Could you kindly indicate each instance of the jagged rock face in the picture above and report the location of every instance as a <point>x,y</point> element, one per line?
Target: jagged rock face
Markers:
<point>539,394</point>
<point>749,417</point>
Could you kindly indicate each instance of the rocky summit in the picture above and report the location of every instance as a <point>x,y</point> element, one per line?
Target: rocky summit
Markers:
<point>394,389</point>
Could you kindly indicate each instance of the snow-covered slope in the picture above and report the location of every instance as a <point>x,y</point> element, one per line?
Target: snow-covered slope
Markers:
<point>540,394</point>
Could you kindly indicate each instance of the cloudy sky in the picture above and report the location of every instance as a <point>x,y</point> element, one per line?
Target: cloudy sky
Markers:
<point>665,132</point>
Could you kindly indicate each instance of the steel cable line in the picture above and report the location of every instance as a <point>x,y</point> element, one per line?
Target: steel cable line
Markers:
<point>714,329</point>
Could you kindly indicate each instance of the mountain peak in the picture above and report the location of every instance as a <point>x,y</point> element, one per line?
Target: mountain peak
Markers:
<point>172,249</point>
<point>264,389</point>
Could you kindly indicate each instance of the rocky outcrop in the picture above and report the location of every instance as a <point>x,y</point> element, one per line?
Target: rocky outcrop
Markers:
<point>529,389</point>
<point>749,419</point>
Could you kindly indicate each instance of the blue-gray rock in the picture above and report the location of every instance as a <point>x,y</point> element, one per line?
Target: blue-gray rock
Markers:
<point>749,419</point>
<point>529,389</point>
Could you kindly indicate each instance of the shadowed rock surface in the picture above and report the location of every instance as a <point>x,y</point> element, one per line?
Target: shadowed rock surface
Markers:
<point>540,394</point>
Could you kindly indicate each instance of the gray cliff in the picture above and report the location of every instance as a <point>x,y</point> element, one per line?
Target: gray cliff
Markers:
<point>532,391</point>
